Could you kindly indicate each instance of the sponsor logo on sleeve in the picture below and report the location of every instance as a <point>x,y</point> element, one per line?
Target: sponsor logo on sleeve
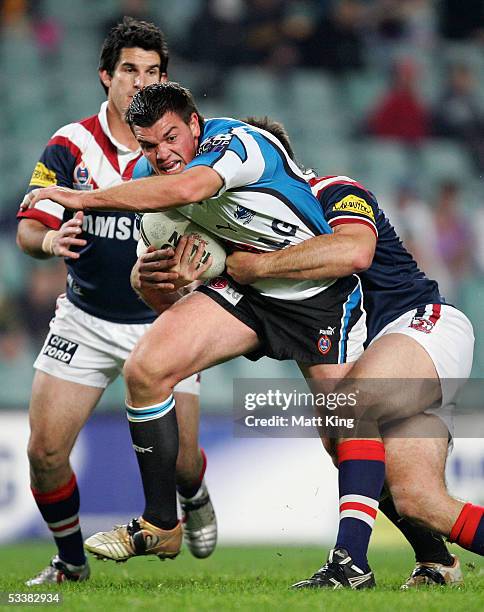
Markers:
<point>352,203</point>
<point>216,144</point>
<point>43,176</point>
<point>59,348</point>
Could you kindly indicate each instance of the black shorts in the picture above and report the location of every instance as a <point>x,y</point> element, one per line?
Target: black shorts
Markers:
<point>329,327</point>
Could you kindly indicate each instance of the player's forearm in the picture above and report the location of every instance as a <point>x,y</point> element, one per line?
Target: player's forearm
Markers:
<point>33,238</point>
<point>156,193</point>
<point>145,195</point>
<point>327,256</point>
<point>151,194</point>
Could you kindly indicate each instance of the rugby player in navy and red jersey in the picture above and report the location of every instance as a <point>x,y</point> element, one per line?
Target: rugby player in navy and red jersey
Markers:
<point>395,286</point>
<point>409,331</point>
<point>99,320</point>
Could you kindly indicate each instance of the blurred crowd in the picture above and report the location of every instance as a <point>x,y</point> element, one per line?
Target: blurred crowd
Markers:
<point>336,38</point>
<point>331,35</point>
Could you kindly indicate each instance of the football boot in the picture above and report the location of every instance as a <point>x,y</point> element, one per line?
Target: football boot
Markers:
<point>199,523</point>
<point>137,538</point>
<point>339,572</point>
<point>426,574</point>
<point>59,571</point>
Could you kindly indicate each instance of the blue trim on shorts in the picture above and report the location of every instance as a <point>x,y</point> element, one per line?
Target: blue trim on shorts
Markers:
<point>353,300</point>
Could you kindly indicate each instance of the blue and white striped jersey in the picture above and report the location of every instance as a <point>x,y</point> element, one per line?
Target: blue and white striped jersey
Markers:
<point>265,203</point>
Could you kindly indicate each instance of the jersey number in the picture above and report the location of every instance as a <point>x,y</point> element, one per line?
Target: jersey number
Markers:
<point>282,229</point>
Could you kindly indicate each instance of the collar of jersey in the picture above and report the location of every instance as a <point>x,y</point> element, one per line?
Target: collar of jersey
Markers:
<point>103,120</point>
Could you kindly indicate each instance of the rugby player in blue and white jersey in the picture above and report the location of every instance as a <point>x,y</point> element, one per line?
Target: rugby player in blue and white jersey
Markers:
<point>395,286</point>
<point>237,167</point>
<point>409,331</point>
<point>98,322</point>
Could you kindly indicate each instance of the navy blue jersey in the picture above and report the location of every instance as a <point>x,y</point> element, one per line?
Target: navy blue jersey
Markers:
<point>393,284</point>
<point>85,156</point>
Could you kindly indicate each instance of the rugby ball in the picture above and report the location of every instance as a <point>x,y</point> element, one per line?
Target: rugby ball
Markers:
<point>164,229</point>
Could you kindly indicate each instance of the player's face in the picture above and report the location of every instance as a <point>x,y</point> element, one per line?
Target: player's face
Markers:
<point>169,144</point>
<point>135,69</point>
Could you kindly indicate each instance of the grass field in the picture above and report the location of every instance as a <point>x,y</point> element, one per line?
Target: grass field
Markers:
<point>239,579</point>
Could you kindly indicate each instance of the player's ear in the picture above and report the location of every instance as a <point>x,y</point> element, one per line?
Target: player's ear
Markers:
<point>194,125</point>
<point>163,77</point>
<point>105,78</point>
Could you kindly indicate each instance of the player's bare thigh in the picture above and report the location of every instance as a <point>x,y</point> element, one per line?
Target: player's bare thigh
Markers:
<point>332,372</point>
<point>391,357</point>
<point>415,457</point>
<point>410,383</point>
<point>194,334</point>
<point>58,411</point>
<point>323,378</point>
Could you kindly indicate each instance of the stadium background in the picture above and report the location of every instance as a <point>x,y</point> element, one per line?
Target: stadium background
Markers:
<point>325,68</point>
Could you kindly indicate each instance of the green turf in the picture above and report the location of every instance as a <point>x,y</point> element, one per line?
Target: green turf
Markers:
<point>239,579</point>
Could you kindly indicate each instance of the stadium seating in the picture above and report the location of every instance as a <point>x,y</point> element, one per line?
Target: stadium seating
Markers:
<point>444,159</point>
<point>322,114</point>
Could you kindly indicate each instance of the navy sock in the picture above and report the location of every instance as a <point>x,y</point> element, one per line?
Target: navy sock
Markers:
<point>361,476</point>
<point>60,510</point>
<point>428,546</point>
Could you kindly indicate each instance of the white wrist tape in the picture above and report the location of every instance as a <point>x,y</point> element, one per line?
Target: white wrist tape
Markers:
<point>48,240</point>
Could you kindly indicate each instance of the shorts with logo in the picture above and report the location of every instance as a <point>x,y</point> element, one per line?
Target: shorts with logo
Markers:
<point>447,336</point>
<point>328,328</point>
<point>91,351</point>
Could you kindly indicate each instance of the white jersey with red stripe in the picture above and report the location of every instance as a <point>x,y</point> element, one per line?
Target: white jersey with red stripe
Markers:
<point>84,155</point>
<point>393,284</point>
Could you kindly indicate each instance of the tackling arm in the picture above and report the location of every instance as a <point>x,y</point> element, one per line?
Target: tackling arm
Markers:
<point>349,250</point>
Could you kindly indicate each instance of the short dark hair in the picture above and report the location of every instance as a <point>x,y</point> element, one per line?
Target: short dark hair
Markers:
<point>275,128</point>
<point>128,34</point>
<point>154,101</point>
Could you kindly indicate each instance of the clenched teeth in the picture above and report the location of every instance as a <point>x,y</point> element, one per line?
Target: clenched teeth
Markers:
<point>171,167</point>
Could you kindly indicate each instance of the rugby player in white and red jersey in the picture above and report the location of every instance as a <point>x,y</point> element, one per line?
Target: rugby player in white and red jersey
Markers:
<point>100,319</point>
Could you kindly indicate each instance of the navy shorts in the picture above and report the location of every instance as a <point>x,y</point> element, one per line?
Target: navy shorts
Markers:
<point>328,328</point>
